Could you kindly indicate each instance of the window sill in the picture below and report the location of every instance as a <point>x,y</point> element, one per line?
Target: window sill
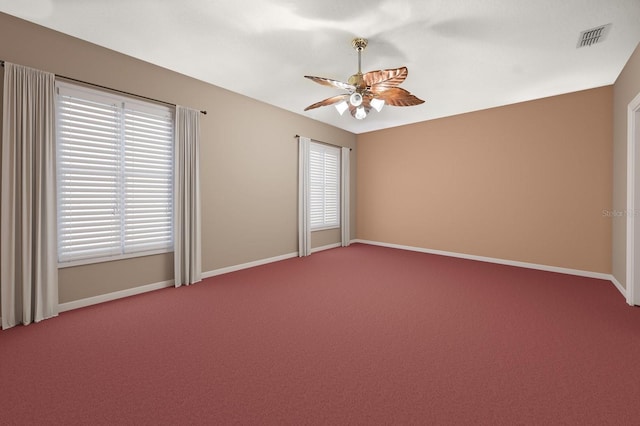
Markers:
<point>90,261</point>
<point>325,228</point>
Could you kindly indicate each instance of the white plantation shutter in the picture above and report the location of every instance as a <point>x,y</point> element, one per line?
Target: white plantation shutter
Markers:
<point>88,157</point>
<point>148,179</point>
<point>114,165</point>
<point>324,162</point>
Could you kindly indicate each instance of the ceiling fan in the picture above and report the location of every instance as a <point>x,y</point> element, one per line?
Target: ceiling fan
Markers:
<point>365,91</point>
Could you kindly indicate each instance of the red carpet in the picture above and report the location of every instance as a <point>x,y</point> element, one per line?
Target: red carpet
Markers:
<point>360,335</point>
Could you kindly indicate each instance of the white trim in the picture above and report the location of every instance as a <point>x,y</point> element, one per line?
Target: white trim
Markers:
<point>547,268</point>
<point>632,110</point>
<point>618,286</point>
<point>327,247</point>
<point>76,304</point>
<point>247,265</point>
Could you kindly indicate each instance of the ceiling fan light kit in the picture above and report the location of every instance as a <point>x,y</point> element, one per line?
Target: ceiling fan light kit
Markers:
<point>365,91</point>
<point>342,107</point>
<point>355,99</point>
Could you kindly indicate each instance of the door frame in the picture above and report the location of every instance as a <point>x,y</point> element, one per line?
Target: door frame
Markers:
<point>633,199</point>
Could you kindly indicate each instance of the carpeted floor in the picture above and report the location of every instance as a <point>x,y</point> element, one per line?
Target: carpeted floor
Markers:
<point>359,335</point>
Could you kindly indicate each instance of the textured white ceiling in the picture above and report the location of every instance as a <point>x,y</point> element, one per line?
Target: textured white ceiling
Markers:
<point>462,55</point>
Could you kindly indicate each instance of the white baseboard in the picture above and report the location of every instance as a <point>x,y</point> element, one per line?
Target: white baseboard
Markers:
<point>81,303</point>
<point>569,271</point>
<point>234,268</point>
<point>247,265</point>
<point>76,304</point>
<point>67,306</point>
<point>548,268</point>
<point>619,286</point>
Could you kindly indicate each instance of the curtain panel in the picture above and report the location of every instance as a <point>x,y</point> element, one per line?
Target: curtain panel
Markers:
<point>187,238</point>
<point>28,259</point>
<point>304,216</point>
<point>345,193</point>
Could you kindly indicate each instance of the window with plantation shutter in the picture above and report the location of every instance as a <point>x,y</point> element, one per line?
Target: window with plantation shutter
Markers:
<point>115,176</point>
<point>324,191</point>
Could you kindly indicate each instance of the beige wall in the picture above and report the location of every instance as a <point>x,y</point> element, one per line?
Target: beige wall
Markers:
<point>626,88</point>
<point>526,182</point>
<point>249,159</point>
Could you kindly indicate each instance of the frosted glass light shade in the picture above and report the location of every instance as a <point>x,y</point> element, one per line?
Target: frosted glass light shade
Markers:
<point>360,113</point>
<point>377,104</point>
<point>355,99</point>
<point>342,107</point>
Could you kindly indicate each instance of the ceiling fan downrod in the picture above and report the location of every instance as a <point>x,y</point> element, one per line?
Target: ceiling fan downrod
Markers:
<point>359,44</point>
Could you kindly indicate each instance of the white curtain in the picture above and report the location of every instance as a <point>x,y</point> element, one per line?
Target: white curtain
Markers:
<point>345,215</point>
<point>28,260</point>
<point>304,218</point>
<point>187,239</point>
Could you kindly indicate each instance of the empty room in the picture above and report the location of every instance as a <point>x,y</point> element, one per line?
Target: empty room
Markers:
<point>391,212</point>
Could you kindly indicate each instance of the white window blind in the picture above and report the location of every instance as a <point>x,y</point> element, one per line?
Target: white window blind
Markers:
<point>324,169</point>
<point>115,174</point>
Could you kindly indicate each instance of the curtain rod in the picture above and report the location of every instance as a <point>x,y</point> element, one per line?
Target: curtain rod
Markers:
<point>112,89</point>
<point>326,143</point>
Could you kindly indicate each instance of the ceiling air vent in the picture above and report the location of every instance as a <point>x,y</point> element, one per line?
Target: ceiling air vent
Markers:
<point>593,36</point>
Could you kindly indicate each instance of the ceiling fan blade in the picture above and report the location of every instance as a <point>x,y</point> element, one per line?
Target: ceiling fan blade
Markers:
<point>396,96</point>
<point>389,78</point>
<point>329,101</point>
<point>331,83</point>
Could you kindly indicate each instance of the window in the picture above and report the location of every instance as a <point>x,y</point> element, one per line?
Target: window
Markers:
<point>324,162</point>
<point>115,176</point>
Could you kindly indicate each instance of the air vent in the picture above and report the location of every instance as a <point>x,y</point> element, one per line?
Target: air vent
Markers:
<point>593,36</point>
